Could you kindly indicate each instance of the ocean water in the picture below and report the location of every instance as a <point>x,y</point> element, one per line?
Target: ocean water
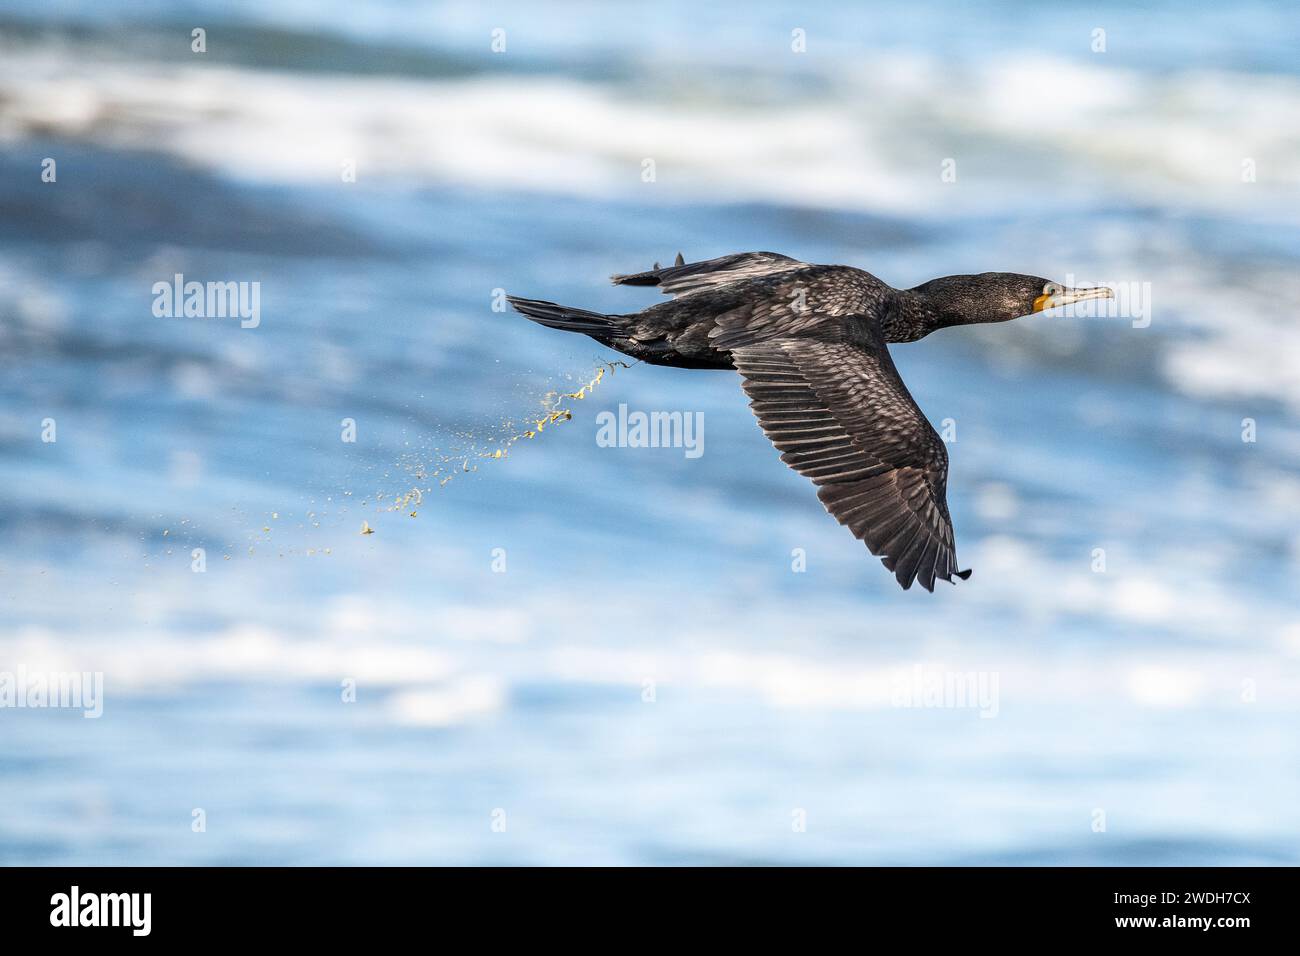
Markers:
<point>585,654</point>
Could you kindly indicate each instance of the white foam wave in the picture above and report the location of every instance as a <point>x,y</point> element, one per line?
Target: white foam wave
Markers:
<point>873,137</point>
<point>1193,644</point>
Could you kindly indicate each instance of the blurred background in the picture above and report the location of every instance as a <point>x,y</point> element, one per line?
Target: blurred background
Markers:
<point>604,651</point>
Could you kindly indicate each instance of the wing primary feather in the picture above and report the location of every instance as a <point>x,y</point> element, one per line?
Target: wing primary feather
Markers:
<point>841,416</point>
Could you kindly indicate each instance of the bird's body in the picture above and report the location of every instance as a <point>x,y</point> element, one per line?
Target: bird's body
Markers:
<point>811,345</point>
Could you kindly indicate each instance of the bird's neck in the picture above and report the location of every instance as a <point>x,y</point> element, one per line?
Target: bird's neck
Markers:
<point>915,315</point>
<point>941,304</point>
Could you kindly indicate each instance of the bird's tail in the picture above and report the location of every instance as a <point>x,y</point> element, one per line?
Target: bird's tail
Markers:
<point>552,315</point>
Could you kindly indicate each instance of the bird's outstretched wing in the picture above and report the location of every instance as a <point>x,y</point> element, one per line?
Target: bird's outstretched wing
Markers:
<point>841,416</point>
<point>687,277</point>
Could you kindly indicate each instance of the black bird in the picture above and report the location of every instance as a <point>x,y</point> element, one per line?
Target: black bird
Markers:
<point>811,345</point>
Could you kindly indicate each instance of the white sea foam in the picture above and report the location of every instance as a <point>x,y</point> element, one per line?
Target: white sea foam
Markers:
<point>459,701</point>
<point>408,655</point>
<point>422,687</point>
<point>871,137</point>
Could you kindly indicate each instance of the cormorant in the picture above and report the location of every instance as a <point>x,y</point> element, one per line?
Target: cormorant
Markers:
<point>811,345</point>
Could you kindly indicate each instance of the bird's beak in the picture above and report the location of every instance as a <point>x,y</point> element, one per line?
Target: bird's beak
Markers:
<point>1070,296</point>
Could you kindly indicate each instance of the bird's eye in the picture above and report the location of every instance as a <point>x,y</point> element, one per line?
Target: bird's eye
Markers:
<point>1051,289</point>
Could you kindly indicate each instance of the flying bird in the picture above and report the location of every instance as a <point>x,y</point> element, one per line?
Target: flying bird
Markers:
<point>811,344</point>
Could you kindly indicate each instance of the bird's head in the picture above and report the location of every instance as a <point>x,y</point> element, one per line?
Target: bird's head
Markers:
<point>996,297</point>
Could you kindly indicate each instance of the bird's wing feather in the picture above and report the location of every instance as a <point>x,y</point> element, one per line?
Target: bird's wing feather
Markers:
<point>841,416</point>
<point>679,280</point>
<point>796,303</point>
